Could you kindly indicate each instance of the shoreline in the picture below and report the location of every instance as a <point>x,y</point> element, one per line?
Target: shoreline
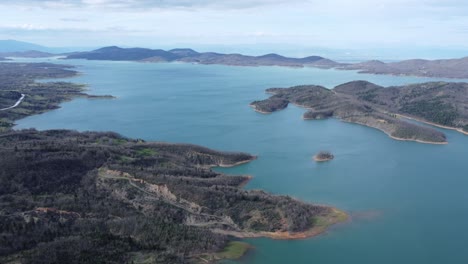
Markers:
<point>388,134</point>
<point>338,67</point>
<point>417,140</point>
<point>248,178</point>
<point>335,217</point>
<point>397,138</point>
<point>235,164</point>
<point>259,111</point>
<point>433,124</point>
<point>315,158</point>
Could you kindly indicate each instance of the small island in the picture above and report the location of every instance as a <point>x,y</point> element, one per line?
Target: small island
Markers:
<point>323,156</point>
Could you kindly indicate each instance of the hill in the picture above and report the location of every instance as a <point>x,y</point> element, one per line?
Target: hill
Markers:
<point>14,45</point>
<point>70,197</point>
<point>27,54</point>
<point>191,56</point>
<point>448,68</point>
<point>122,54</point>
<point>438,103</point>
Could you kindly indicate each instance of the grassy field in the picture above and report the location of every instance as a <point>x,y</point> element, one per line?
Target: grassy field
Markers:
<point>234,250</point>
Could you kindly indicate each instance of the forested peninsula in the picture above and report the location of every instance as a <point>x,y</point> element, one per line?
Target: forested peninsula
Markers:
<point>70,197</point>
<point>441,104</point>
<point>18,85</point>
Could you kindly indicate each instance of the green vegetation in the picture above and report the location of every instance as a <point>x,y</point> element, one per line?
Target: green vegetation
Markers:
<point>146,152</point>
<point>234,250</point>
<point>336,216</point>
<point>67,199</point>
<point>434,111</point>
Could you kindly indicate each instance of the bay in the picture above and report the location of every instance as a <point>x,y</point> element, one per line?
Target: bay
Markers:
<point>408,201</point>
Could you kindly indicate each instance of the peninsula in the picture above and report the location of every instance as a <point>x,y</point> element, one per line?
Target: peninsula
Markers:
<point>21,95</point>
<point>112,199</point>
<point>448,68</point>
<point>441,104</point>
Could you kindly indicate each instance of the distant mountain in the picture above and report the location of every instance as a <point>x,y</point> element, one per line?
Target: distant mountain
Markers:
<point>27,54</point>
<point>121,54</point>
<point>192,56</point>
<point>184,52</point>
<point>14,46</point>
<point>21,46</point>
<point>449,68</point>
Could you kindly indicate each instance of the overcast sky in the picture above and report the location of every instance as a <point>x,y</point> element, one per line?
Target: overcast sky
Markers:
<point>319,23</point>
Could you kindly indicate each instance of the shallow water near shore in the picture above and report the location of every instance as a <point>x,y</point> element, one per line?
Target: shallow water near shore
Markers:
<point>407,201</point>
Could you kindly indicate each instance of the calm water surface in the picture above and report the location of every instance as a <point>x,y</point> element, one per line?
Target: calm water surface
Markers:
<point>408,201</point>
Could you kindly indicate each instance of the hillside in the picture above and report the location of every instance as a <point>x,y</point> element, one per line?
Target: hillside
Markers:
<point>448,68</point>
<point>14,46</point>
<point>440,103</point>
<point>27,54</point>
<point>70,197</point>
<point>191,56</point>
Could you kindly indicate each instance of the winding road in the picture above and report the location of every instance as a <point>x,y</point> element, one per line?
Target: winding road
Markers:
<point>16,104</point>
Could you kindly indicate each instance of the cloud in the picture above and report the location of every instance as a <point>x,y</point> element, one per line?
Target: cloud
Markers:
<point>129,5</point>
<point>343,23</point>
<point>25,26</point>
<point>65,19</point>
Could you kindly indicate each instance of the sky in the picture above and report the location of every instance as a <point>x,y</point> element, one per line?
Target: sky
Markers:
<point>333,24</point>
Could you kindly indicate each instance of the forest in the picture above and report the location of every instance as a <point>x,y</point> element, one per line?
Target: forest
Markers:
<point>383,108</point>
<point>40,96</point>
<point>70,197</point>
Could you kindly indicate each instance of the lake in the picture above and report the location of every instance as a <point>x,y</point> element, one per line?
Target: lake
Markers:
<point>408,201</point>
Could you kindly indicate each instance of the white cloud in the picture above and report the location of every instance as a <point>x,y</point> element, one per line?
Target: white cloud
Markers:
<point>332,23</point>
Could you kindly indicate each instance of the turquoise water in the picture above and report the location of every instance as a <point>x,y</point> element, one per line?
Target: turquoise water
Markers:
<point>408,201</point>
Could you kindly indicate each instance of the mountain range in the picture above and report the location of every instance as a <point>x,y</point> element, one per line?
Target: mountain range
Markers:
<point>191,56</point>
<point>446,68</point>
